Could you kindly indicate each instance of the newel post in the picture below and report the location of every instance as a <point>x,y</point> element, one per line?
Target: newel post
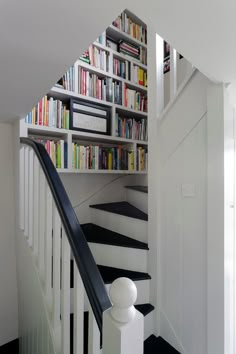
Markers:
<point>123,325</point>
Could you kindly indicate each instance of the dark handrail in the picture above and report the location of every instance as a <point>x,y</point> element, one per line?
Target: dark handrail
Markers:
<point>88,269</point>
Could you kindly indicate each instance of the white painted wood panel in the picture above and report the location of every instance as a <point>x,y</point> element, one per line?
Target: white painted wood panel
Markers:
<point>138,199</point>
<point>183,245</point>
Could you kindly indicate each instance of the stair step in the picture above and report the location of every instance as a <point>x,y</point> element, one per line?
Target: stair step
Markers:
<point>122,208</point>
<point>109,274</point>
<point>158,345</point>
<point>143,189</point>
<point>10,348</point>
<point>145,309</point>
<point>97,234</point>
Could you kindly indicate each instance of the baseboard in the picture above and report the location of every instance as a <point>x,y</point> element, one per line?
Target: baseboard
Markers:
<point>10,348</point>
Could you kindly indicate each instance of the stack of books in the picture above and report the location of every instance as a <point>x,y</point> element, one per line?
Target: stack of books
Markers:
<point>104,89</point>
<point>135,100</point>
<point>131,128</point>
<point>122,68</point>
<point>139,76</point>
<point>142,159</point>
<point>97,57</point>
<point>129,50</point>
<point>91,157</point>
<point>49,113</point>
<point>127,25</point>
<point>57,150</point>
<point>67,82</point>
<point>85,57</point>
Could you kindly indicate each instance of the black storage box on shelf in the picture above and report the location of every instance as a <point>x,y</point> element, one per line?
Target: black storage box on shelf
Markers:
<point>90,117</point>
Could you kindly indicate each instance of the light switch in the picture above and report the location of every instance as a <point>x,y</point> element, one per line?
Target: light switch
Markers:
<point>188,190</point>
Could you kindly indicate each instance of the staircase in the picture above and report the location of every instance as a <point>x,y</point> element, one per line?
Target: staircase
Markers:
<point>125,254</point>
<point>67,270</point>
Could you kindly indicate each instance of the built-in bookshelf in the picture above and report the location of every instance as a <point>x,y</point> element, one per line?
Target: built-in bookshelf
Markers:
<point>113,74</point>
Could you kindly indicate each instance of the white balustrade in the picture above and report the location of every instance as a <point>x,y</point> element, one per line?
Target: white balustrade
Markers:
<point>51,253</point>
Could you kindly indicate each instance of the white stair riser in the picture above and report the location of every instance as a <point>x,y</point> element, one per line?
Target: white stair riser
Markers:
<point>135,228</point>
<point>120,257</point>
<point>138,199</point>
<point>149,324</point>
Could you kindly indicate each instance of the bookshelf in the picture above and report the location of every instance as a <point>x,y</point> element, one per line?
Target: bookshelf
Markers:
<point>107,67</point>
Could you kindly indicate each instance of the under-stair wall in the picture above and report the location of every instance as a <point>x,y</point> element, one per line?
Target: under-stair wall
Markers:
<point>183,263</point>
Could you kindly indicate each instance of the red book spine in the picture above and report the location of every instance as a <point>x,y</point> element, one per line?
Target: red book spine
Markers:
<point>40,112</point>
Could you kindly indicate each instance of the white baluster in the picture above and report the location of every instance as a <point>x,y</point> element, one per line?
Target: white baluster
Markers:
<point>94,335</point>
<point>123,325</point>
<point>56,274</point>
<point>36,208</point>
<point>42,215</point>
<point>31,194</point>
<point>78,312</point>
<point>65,292</point>
<point>21,186</point>
<point>26,188</point>
<point>48,244</point>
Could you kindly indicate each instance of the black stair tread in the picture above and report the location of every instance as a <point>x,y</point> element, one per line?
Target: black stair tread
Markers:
<point>122,208</point>
<point>143,189</point>
<point>97,234</point>
<point>153,345</point>
<point>109,274</point>
<point>10,348</point>
<point>145,309</point>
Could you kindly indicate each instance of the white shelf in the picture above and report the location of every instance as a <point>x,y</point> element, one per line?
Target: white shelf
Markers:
<point>117,34</point>
<point>103,73</point>
<point>119,172</point>
<point>65,94</point>
<point>41,130</point>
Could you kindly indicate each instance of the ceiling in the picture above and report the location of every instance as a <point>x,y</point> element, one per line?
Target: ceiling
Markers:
<point>39,40</point>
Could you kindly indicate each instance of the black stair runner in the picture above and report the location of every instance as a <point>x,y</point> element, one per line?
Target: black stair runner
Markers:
<point>122,208</point>
<point>157,345</point>
<point>97,234</point>
<point>143,189</point>
<point>145,309</point>
<point>109,274</point>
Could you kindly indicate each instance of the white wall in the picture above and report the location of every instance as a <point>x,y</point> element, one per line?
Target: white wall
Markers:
<point>183,235</point>
<point>8,288</point>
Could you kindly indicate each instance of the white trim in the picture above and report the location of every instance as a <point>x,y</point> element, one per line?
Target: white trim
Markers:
<point>162,115</point>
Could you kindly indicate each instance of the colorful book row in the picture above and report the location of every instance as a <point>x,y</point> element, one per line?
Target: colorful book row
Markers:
<point>104,89</point>
<point>57,150</point>
<point>127,25</point>
<point>135,100</point>
<point>131,128</point>
<point>91,157</point>
<point>49,113</point>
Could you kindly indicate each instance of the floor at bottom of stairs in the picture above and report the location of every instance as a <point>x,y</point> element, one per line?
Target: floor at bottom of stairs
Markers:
<point>10,348</point>
<point>157,345</point>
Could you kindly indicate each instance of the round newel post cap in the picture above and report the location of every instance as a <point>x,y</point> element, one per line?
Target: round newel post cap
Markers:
<point>123,294</point>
